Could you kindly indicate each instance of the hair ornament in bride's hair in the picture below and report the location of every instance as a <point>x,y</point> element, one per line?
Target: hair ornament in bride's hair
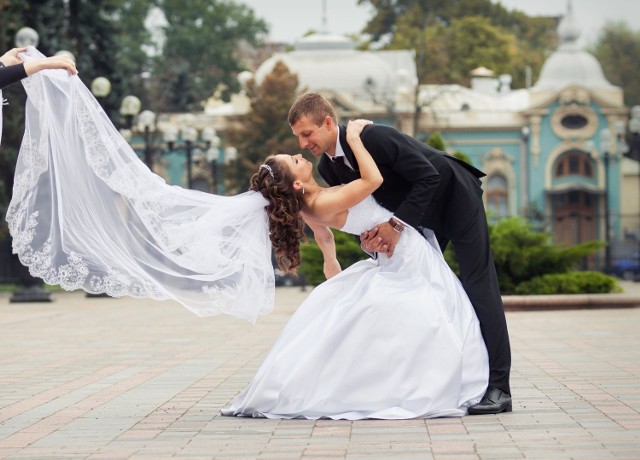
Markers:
<point>268,168</point>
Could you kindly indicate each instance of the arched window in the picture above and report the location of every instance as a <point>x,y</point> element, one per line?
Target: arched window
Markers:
<point>574,164</point>
<point>498,196</point>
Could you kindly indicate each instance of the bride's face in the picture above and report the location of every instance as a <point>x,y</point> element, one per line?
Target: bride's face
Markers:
<point>299,167</point>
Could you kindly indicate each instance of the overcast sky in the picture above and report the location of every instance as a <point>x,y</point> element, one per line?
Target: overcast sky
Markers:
<point>291,19</point>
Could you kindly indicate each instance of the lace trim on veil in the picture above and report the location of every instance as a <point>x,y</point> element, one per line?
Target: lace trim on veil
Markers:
<point>86,213</point>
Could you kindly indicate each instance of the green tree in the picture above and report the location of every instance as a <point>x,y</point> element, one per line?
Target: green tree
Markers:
<point>90,30</point>
<point>93,31</point>
<point>444,51</point>
<point>392,16</point>
<point>264,130</point>
<point>475,42</point>
<point>200,53</point>
<point>614,46</point>
<point>131,65</point>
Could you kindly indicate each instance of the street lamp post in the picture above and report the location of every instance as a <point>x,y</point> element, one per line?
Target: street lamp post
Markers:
<point>191,142</point>
<point>633,134</point>
<point>525,131</point>
<point>213,156</point>
<point>129,108</point>
<point>230,154</point>
<point>27,37</point>
<point>146,120</point>
<point>189,135</point>
<point>632,140</point>
<point>218,159</point>
<point>101,88</point>
<point>30,288</point>
<point>210,136</point>
<point>605,148</point>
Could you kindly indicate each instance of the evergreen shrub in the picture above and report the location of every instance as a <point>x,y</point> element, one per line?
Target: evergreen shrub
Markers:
<point>586,282</point>
<point>347,248</point>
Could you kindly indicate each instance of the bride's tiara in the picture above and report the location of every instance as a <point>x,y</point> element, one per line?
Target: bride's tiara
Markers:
<point>268,168</point>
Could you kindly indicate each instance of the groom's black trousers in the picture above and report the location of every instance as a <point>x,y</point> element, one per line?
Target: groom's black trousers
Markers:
<point>480,281</point>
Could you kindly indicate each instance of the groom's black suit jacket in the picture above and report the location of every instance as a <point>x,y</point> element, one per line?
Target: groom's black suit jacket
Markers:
<point>422,186</point>
<point>428,188</point>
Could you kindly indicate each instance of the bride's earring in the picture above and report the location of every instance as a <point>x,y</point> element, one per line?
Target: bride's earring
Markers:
<point>303,190</point>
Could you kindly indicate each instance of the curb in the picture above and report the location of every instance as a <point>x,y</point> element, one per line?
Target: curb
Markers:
<point>569,302</point>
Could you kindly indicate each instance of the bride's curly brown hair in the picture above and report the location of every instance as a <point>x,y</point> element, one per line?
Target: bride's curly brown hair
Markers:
<point>286,227</point>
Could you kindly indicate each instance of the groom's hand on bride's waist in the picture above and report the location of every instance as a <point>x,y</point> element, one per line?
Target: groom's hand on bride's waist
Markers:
<point>381,238</point>
<point>370,243</point>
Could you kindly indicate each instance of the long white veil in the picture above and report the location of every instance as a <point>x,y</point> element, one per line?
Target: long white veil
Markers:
<point>86,213</point>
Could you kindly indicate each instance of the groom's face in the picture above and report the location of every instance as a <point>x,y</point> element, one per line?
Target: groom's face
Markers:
<point>316,139</point>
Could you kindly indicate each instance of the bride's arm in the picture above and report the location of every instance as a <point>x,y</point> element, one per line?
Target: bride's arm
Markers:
<point>324,237</point>
<point>348,195</point>
<point>51,62</point>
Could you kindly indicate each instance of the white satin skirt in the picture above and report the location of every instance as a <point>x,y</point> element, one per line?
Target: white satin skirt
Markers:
<point>373,342</point>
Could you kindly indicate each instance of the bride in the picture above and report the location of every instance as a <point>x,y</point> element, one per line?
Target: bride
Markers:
<point>392,338</point>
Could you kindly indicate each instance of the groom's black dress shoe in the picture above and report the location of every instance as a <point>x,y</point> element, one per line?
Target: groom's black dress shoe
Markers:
<point>494,401</point>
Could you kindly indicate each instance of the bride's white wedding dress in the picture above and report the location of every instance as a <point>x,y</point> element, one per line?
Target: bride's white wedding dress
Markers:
<point>391,339</point>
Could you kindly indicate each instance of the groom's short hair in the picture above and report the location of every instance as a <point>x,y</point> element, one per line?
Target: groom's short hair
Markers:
<point>314,106</point>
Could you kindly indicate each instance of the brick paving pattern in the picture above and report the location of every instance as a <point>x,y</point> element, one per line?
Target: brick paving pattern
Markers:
<point>100,378</point>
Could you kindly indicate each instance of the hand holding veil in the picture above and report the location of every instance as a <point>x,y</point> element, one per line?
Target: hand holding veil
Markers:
<point>86,213</point>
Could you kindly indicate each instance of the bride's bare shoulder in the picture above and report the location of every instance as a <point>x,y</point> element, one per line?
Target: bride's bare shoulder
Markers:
<point>322,208</point>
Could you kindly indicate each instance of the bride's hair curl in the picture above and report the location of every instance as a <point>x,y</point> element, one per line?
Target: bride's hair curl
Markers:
<point>286,227</point>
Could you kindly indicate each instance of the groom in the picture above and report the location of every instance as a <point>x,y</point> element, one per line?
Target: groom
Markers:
<point>425,188</point>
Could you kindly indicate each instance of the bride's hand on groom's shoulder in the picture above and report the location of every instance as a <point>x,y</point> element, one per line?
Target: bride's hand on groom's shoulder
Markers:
<point>355,127</point>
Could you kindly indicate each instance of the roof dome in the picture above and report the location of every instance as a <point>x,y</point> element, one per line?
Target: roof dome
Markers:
<point>324,61</point>
<point>570,64</point>
<point>482,72</point>
<point>324,41</point>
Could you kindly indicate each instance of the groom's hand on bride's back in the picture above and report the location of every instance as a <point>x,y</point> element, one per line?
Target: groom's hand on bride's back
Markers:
<point>381,238</point>
<point>389,237</point>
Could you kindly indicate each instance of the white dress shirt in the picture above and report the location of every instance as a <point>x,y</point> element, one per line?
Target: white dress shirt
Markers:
<point>339,152</point>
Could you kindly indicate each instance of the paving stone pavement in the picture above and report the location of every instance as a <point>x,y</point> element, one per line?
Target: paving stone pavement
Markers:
<point>101,378</point>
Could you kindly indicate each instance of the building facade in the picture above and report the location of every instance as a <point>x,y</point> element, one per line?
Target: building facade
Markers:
<point>553,152</point>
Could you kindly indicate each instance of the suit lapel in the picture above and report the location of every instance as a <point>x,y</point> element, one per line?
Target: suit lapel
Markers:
<point>344,173</point>
<point>348,152</point>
